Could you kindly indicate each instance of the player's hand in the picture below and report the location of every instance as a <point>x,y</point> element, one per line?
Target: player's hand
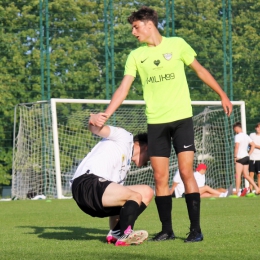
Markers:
<point>98,119</point>
<point>227,105</point>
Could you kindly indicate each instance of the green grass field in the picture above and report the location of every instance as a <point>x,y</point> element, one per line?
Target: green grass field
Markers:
<point>59,230</point>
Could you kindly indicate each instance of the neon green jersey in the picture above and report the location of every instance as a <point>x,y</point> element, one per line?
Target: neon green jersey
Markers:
<point>164,82</point>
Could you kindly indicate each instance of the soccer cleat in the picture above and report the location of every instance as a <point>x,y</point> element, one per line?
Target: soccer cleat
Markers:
<point>132,237</point>
<point>161,236</point>
<point>244,192</point>
<point>194,236</point>
<point>113,236</point>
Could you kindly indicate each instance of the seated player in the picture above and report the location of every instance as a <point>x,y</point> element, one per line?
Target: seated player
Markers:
<point>97,185</point>
<point>204,190</point>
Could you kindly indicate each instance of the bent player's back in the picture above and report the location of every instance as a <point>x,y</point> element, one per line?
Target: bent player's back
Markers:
<point>110,158</point>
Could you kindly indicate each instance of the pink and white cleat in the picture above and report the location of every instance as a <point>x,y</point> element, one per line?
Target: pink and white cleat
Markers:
<point>113,236</point>
<point>132,237</point>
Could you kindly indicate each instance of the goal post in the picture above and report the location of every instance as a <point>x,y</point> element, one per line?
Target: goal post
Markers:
<point>53,138</point>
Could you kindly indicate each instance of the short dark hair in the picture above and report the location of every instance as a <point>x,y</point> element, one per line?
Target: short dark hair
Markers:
<point>141,138</point>
<point>258,124</point>
<point>144,14</point>
<point>237,124</point>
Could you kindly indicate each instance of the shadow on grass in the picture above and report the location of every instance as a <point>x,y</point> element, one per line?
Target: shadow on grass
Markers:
<point>68,233</point>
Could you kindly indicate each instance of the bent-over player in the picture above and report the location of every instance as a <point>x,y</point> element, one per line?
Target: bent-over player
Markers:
<point>160,64</point>
<point>97,183</point>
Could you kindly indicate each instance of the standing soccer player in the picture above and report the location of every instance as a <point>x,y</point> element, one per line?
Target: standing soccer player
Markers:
<point>254,163</point>
<point>241,156</point>
<point>160,63</point>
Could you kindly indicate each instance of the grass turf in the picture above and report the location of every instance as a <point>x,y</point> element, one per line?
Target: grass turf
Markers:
<point>59,230</point>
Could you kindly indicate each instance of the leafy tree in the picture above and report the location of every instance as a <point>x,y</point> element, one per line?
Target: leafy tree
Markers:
<point>77,52</point>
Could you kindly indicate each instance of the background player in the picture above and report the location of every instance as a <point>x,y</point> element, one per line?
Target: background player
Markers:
<point>204,190</point>
<point>97,183</point>
<point>241,155</point>
<point>254,163</point>
<point>160,63</point>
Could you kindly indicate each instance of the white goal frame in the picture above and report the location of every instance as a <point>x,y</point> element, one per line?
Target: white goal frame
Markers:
<point>54,101</point>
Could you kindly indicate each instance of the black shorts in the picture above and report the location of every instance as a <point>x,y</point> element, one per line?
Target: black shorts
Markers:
<point>179,133</point>
<point>243,161</point>
<point>254,166</point>
<point>87,191</point>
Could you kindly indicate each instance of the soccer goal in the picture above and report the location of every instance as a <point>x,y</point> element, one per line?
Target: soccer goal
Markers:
<point>51,139</point>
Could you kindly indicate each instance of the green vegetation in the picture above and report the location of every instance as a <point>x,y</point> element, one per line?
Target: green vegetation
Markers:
<point>59,230</point>
<point>77,53</point>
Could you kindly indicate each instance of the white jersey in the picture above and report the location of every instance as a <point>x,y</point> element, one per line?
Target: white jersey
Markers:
<point>179,189</point>
<point>110,158</point>
<point>255,155</point>
<point>200,179</point>
<point>243,140</point>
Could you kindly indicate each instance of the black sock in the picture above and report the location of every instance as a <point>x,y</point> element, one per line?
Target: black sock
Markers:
<point>193,206</point>
<point>117,226</point>
<point>139,212</point>
<point>128,215</point>
<point>164,207</point>
<point>141,209</point>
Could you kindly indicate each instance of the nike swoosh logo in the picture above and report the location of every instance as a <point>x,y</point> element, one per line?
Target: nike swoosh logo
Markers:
<point>142,61</point>
<point>186,146</point>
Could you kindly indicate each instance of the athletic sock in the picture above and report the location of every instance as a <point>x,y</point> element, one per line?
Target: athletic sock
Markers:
<point>141,209</point>
<point>193,206</point>
<point>139,212</point>
<point>117,227</point>
<point>128,215</point>
<point>164,207</point>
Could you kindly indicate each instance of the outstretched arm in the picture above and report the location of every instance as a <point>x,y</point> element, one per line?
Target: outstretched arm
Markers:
<point>117,99</point>
<point>102,131</point>
<point>208,79</point>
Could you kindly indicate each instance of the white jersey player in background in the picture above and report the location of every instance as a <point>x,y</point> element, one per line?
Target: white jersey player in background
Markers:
<point>97,185</point>
<point>241,156</point>
<point>205,191</point>
<point>254,163</point>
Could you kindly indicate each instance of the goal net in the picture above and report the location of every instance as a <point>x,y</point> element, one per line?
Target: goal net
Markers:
<point>51,139</point>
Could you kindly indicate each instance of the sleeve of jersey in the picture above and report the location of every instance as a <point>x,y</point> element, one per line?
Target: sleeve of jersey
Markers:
<point>119,134</point>
<point>237,139</point>
<point>187,53</point>
<point>130,65</point>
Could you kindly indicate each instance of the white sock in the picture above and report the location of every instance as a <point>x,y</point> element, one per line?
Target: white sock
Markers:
<point>222,195</point>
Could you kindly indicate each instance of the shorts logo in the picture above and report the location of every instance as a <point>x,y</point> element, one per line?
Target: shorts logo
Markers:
<point>187,146</point>
<point>157,62</point>
<point>102,179</point>
<point>167,56</point>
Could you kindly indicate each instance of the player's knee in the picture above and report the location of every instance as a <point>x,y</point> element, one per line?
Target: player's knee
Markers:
<point>160,178</point>
<point>147,195</point>
<point>186,175</point>
<point>136,197</point>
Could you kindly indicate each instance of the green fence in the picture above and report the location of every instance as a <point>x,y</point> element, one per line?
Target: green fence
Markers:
<point>77,49</point>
